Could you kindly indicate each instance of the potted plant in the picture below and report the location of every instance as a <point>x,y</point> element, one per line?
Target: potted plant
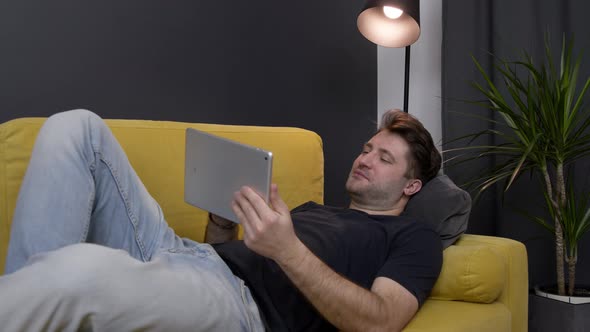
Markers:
<point>543,128</point>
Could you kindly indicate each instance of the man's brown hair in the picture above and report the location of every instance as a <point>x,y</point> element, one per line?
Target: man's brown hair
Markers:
<point>424,159</point>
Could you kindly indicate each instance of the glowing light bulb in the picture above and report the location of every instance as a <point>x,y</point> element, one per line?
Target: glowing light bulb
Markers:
<point>392,12</point>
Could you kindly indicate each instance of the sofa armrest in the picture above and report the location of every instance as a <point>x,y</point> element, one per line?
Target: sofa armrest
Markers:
<point>504,311</point>
<point>445,313</point>
<point>459,316</point>
<point>515,293</point>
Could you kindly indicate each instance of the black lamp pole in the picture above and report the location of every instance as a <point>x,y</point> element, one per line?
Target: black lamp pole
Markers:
<point>407,79</point>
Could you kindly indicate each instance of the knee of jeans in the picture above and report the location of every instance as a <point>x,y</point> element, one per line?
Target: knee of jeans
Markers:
<point>70,122</point>
<point>70,129</point>
<point>72,117</point>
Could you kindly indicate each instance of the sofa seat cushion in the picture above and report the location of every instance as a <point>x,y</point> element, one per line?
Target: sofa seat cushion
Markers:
<point>457,316</point>
<point>470,273</point>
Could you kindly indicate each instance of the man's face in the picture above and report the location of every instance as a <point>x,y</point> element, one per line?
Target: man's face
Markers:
<point>377,179</point>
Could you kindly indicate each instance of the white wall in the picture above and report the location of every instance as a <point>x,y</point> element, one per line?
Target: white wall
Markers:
<point>425,72</point>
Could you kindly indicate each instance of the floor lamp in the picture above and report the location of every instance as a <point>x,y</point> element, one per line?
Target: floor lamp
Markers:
<point>392,23</point>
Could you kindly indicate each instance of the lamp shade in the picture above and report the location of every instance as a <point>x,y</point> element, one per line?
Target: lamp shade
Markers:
<point>376,25</point>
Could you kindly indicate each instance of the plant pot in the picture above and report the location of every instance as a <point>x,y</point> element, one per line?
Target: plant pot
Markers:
<point>581,294</point>
<point>550,312</point>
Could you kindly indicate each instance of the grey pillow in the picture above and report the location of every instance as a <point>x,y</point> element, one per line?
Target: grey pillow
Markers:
<point>442,205</point>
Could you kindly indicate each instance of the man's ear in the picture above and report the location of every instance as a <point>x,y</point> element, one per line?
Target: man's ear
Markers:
<point>413,186</point>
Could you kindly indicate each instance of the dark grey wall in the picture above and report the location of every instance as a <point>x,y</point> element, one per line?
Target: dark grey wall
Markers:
<point>505,28</point>
<point>296,63</point>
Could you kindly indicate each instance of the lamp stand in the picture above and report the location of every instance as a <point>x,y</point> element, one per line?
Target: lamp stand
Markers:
<point>407,79</point>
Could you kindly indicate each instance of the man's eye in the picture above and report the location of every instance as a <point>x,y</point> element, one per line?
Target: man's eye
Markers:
<point>385,160</point>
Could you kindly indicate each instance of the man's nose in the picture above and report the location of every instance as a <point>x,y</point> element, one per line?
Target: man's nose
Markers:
<point>366,160</point>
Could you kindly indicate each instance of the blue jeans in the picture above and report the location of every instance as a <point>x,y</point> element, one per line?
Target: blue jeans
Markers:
<point>90,248</point>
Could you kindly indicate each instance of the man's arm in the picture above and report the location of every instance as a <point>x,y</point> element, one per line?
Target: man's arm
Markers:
<point>269,231</point>
<point>386,307</point>
<point>220,230</point>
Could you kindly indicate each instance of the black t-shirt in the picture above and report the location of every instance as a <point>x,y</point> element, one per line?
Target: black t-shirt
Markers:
<point>357,245</point>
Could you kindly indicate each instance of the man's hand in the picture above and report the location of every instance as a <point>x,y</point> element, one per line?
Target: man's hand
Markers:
<point>268,230</point>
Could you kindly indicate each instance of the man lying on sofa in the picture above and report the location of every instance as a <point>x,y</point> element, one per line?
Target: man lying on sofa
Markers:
<point>315,268</point>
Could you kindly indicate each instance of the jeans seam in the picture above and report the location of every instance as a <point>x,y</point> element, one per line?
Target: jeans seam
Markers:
<point>84,234</point>
<point>92,197</point>
<point>242,286</point>
<point>130,214</point>
<point>99,156</point>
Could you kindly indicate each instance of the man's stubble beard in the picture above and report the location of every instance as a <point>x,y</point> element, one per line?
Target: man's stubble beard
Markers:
<point>368,195</point>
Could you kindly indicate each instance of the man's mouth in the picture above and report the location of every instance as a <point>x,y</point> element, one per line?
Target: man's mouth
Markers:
<point>360,174</point>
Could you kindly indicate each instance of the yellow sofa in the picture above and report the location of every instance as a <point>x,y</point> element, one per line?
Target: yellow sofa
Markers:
<point>483,285</point>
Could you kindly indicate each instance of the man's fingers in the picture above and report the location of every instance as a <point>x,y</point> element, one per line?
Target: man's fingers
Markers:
<point>254,198</point>
<point>244,210</point>
<point>276,200</point>
<point>238,211</point>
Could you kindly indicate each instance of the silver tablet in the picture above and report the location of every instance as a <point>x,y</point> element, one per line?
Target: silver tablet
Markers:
<point>216,167</point>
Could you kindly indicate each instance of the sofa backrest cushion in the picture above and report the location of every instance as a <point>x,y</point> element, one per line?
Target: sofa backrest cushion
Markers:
<point>470,273</point>
<point>156,152</point>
